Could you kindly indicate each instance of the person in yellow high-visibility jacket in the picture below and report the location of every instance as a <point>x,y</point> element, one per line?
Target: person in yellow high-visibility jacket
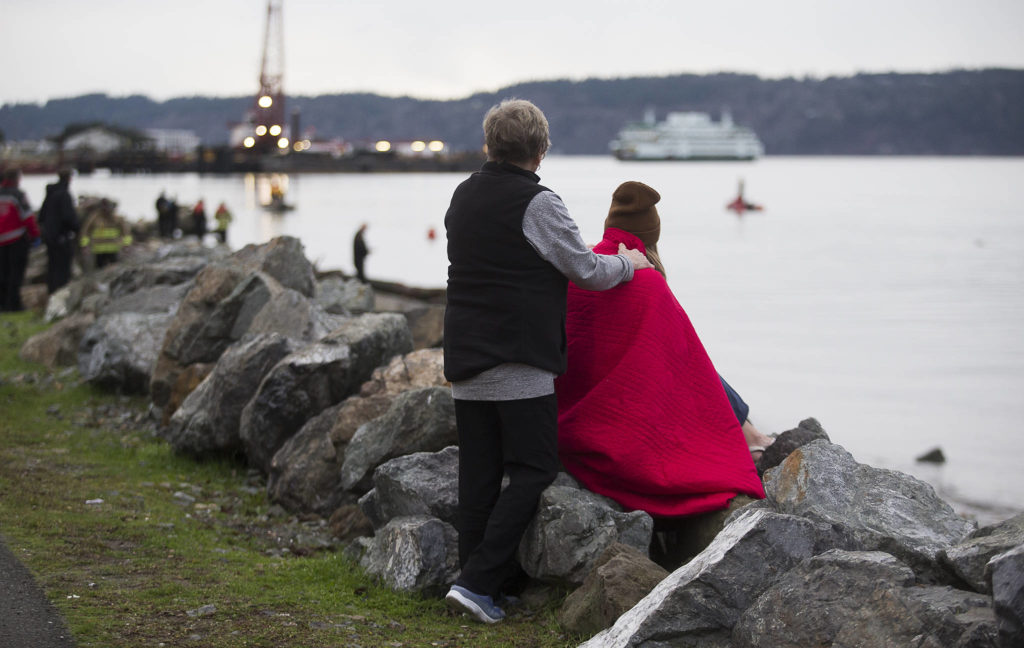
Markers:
<point>224,218</point>
<point>104,234</point>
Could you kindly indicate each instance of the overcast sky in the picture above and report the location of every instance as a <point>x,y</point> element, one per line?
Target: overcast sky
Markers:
<point>451,48</point>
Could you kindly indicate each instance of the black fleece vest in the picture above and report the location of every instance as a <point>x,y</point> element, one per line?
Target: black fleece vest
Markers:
<point>505,303</point>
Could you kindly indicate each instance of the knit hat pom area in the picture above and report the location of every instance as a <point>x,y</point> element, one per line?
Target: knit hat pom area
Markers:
<point>633,210</point>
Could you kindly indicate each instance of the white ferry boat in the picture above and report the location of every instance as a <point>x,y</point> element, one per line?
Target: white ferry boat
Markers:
<point>687,136</point>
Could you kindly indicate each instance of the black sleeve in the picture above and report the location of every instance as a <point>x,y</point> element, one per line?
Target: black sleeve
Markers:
<point>69,217</point>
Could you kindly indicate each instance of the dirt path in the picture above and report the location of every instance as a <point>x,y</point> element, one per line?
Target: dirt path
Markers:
<point>27,619</point>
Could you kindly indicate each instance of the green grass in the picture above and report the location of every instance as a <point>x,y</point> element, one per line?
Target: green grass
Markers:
<point>127,571</point>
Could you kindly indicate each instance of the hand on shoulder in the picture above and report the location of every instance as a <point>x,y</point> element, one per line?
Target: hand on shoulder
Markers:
<point>636,257</point>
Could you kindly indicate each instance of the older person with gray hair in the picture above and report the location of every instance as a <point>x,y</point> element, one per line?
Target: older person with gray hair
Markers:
<point>512,249</point>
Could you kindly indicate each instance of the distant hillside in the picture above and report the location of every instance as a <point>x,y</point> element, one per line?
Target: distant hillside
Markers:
<point>951,113</point>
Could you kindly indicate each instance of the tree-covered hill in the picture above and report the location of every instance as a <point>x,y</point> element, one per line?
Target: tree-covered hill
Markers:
<point>963,112</point>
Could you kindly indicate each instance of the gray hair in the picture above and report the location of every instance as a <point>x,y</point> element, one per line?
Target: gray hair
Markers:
<point>515,131</point>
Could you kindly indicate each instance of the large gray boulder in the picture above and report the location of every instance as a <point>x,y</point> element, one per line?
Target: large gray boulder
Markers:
<point>427,325</point>
<point>310,380</point>
<point>1005,574</point>
<point>208,420</point>
<point>137,269</point>
<point>282,258</point>
<point>97,301</point>
<point>151,299</point>
<point>303,475</point>
<point>224,297</point>
<point>421,368</point>
<point>571,530</point>
<point>69,297</point>
<point>232,316</point>
<point>698,604</point>
<point>194,336</point>
<point>808,430</point>
<point>426,320</point>
<point>969,557</point>
<point>290,312</point>
<point>58,345</point>
<point>413,554</point>
<point>171,271</point>
<point>926,615</point>
<point>421,483</point>
<point>348,523</point>
<point>350,415</point>
<point>201,328</point>
<point>877,509</point>
<point>261,304</point>
<point>622,575</point>
<point>118,351</point>
<point>419,420</point>
<point>344,296</point>
<point>811,603</point>
<point>843,598</point>
<point>158,251</point>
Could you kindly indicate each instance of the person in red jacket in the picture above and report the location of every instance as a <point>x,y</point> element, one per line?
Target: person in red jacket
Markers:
<point>18,231</point>
<point>674,447</point>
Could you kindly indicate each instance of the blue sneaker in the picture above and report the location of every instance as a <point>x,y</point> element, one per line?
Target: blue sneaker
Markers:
<point>478,606</point>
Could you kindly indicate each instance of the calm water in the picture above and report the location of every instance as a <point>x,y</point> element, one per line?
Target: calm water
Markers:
<point>883,296</point>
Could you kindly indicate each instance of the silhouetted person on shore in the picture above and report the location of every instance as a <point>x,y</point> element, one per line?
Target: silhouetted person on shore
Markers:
<point>199,219</point>
<point>223,218</point>
<point>359,252</point>
<point>59,222</point>
<point>163,216</point>
<point>172,217</point>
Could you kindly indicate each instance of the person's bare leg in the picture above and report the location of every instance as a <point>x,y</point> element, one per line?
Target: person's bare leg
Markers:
<point>755,439</point>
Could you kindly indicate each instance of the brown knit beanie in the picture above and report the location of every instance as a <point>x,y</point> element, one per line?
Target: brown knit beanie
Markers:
<point>633,210</point>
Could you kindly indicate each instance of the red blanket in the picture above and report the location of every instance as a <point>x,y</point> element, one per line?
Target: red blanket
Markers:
<point>642,415</point>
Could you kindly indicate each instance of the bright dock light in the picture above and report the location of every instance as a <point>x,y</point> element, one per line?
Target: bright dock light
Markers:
<point>275,130</point>
<point>266,101</point>
<point>249,142</point>
<point>418,146</point>
<point>261,130</point>
<point>383,146</point>
<point>282,143</point>
<point>436,146</point>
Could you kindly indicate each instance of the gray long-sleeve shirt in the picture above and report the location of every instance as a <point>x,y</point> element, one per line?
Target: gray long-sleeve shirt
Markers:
<point>548,227</point>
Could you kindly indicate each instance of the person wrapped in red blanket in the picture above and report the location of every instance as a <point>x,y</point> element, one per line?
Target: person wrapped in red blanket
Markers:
<point>643,417</point>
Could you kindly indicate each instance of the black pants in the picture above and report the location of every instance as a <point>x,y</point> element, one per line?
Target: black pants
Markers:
<point>106,258</point>
<point>59,256</point>
<point>360,261</point>
<point>518,438</point>
<point>13,259</point>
